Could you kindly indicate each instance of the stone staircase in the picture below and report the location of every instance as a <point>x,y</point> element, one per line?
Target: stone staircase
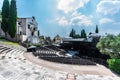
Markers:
<point>13,52</point>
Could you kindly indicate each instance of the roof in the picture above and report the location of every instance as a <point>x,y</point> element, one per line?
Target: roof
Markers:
<point>95,34</point>
<point>25,17</point>
<point>71,39</point>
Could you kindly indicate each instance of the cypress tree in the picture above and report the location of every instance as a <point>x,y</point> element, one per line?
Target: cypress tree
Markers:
<point>0,14</point>
<point>12,19</point>
<point>72,33</point>
<point>96,31</point>
<point>5,16</point>
<point>83,34</point>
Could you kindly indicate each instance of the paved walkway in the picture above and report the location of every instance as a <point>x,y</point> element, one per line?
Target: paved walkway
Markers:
<point>79,69</point>
<point>14,66</point>
<point>72,69</point>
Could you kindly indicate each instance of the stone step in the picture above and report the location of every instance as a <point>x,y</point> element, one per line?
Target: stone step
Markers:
<point>5,52</point>
<point>70,77</point>
<point>10,54</point>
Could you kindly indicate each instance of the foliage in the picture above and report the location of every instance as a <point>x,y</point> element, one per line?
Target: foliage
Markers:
<point>83,34</point>
<point>48,40</point>
<point>72,33</point>
<point>5,16</point>
<point>77,36</point>
<point>56,37</point>
<point>110,45</point>
<point>12,18</point>
<point>0,15</point>
<point>114,64</point>
<point>96,30</point>
<point>1,37</point>
<point>37,45</point>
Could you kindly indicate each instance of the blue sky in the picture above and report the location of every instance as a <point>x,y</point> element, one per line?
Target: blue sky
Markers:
<point>60,16</point>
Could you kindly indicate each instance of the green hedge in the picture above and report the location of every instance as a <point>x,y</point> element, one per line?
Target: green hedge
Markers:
<point>114,64</point>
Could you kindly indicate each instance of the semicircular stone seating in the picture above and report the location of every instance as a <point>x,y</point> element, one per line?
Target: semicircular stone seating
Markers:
<point>14,67</point>
<point>9,51</point>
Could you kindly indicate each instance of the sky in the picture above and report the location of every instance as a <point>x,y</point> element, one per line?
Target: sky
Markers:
<point>60,16</point>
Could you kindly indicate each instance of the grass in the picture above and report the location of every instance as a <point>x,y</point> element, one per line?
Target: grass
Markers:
<point>10,43</point>
<point>2,40</point>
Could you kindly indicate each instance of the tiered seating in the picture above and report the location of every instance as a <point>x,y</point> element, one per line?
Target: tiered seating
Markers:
<point>49,53</point>
<point>43,48</point>
<point>53,48</point>
<point>7,51</point>
<point>44,52</point>
<point>57,50</point>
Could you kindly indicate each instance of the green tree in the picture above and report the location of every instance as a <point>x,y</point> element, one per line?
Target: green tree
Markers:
<point>77,36</point>
<point>5,16</point>
<point>12,19</point>
<point>72,33</point>
<point>83,34</point>
<point>96,30</point>
<point>110,45</point>
<point>0,15</point>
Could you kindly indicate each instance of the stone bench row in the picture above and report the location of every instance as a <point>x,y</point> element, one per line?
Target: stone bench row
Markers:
<point>10,53</point>
<point>13,47</point>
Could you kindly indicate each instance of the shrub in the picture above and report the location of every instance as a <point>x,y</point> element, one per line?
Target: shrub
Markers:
<point>2,37</point>
<point>37,45</point>
<point>110,45</point>
<point>114,64</point>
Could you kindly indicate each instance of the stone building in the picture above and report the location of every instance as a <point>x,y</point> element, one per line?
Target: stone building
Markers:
<point>27,30</point>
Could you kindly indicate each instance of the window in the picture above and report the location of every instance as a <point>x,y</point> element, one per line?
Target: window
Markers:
<point>19,23</point>
<point>34,29</point>
<point>32,33</point>
<point>28,26</point>
<point>20,33</point>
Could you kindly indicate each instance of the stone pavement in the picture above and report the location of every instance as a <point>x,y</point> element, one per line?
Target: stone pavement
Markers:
<point>79,69</point>
<point>14,66</point>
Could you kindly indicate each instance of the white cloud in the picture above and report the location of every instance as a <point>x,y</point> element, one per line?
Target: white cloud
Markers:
<point>106,20</point>
<point>108,7</point>
<point>70,5</point>
<point>80,20</point>
<point>62,21</point>
<point>76,19</point>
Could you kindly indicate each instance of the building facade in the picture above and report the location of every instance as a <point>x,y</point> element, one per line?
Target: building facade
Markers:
<point>26,30</point>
